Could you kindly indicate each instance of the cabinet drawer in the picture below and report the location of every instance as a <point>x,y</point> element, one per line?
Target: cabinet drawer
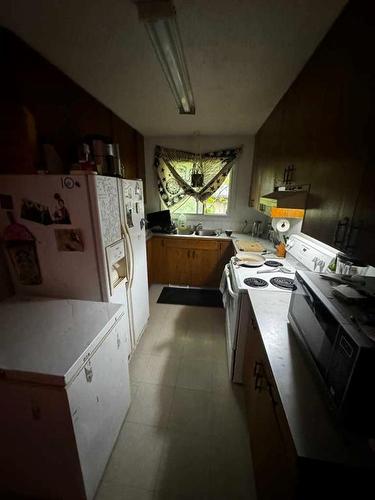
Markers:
<point>192,243</point>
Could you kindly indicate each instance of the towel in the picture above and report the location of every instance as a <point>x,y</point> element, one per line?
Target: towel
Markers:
<point>223,286</point>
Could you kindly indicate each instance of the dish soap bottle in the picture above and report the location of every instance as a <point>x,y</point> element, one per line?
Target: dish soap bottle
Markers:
<point>181,222</point>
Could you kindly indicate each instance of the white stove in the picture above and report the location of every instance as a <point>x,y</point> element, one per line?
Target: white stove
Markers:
<point>303,253</point>
<point>274,275</point>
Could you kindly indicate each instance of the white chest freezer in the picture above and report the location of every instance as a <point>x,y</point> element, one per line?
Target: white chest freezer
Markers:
<point>64,391</point>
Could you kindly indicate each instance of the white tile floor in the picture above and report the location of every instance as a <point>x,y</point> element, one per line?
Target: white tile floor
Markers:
<point>185,435</point>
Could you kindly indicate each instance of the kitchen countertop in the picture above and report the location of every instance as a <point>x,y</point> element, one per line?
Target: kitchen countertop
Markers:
<point>223,237</point>
<point>314,429</point>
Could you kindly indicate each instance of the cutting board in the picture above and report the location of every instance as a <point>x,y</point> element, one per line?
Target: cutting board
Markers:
<point>249,246</point>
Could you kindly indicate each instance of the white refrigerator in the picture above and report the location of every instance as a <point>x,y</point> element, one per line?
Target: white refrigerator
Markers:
<point>80,237</point>
<point>65,391</point>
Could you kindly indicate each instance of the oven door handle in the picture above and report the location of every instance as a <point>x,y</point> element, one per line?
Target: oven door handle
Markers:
<point>309,297</point>
<point>229,284</point>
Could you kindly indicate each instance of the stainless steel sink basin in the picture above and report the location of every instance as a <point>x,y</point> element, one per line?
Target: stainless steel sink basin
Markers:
<point>205,232</point>
<point>185,231</point>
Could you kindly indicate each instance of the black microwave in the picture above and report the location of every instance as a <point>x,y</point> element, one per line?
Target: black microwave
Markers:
<point>342,355</point>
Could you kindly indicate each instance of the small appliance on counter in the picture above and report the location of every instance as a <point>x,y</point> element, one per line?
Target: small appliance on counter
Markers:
<point>338,334</point>
<point>160,222</point>
<point>350,265</point>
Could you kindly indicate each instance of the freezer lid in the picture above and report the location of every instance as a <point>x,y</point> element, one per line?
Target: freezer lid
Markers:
<point>47,341</point>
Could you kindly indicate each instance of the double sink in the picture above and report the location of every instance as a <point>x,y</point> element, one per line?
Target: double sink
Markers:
<point>199,232</point>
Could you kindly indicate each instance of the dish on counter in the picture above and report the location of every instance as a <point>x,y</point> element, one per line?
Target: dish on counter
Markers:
<point>249,260</point>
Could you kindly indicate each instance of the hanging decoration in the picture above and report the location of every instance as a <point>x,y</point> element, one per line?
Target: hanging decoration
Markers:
<point>179,176</point>
<point>197,176</point>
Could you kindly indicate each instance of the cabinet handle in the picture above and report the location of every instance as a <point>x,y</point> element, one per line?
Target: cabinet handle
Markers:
<point>257,386</point>
<point>258,376</point>
<point>351,241</point>
<point>88,371</point>
<point>270,392</point>
<point>253,323</point>
<point>340,232</point>
<point>257,367</point>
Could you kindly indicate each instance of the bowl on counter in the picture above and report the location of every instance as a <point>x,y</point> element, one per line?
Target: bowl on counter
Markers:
<point>228,233</point>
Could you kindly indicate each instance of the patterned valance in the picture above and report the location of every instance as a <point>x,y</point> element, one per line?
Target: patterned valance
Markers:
<point>175,183</point>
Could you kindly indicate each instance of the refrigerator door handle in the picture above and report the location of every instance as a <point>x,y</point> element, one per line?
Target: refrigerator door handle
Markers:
<point>129,254</point>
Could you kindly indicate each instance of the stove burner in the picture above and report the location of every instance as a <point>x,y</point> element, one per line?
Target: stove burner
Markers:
<point>272,263</point>
<point>284,283</point>
<point>255,282</point>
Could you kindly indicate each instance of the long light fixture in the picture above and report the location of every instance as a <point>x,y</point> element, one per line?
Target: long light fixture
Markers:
<point>159,17</point>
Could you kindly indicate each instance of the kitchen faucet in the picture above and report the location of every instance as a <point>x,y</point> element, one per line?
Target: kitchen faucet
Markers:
<point>198,227</point>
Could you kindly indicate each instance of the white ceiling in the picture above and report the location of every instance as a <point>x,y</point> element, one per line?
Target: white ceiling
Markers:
<point>242,56</point>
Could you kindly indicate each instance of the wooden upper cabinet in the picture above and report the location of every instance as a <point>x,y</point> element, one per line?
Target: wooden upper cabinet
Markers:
<point>126,137</point>
<point>360,238</point>
<point>88,116</point>
<point>63,111</point>
<point>267,164</point>
<point>321,127</point>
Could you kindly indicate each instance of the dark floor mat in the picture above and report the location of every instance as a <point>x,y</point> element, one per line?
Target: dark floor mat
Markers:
<point>191,297</point>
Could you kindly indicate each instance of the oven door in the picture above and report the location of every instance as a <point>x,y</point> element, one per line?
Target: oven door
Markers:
<point>312,320</point>
<point>232,306</point>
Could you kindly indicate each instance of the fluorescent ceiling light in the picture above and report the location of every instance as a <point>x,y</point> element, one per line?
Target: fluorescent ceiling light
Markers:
<point>160,21</point>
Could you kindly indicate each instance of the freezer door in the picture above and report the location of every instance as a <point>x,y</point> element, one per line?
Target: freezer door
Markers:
<point>99,398</point>
<point>56,211</point>
<point>109,209</point>
<point>134,224</point>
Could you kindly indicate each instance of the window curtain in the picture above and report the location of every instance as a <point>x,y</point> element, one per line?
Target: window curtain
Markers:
<point>174,182</point>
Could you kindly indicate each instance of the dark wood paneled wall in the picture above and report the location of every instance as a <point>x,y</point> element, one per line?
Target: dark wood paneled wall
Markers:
<point>324,126</point>
<point>40,103</point>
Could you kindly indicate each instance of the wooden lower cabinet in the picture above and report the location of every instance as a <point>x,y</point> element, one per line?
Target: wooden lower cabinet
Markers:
<point>158,262</point>
<point>274,459</point>
<point>178,264</point>
<point>280,472</point>
<point>149,261</point>
<point>185,261</point>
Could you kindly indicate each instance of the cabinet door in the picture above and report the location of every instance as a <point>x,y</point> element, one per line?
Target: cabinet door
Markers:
<point>126,137</point>
<point>179,265</point>
<point>99,398</point>
<point>273,458</point>
<point>158,263</point>
<point>267,156</point>
<point>361,237</point>
<point>204,267</point>
<point>149,261</point>
<point>205,263</point>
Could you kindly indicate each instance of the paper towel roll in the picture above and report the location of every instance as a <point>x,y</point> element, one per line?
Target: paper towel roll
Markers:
<point>283,225</point>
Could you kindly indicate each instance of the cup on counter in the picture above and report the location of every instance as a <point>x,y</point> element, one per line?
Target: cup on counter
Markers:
<point>256,229</point>
<point>280,250</point>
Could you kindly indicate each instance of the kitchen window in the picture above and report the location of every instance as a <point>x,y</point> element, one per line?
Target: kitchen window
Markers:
<point>194,184</point>
<point>216,204</point>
